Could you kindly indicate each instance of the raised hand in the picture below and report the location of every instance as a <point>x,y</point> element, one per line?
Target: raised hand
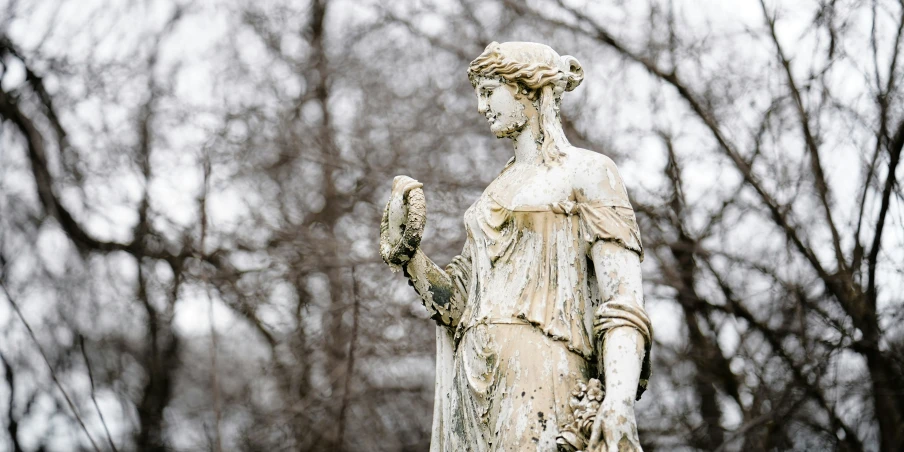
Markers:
<point>398,205</point>
<point>403,222</point>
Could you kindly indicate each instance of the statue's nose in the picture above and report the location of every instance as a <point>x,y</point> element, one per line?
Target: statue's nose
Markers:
<point>481,105</point>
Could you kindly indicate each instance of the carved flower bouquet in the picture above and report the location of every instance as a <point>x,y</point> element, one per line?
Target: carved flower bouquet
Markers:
<point>585,404</point>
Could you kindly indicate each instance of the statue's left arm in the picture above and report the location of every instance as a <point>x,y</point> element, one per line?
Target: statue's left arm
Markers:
<point>622,342</point>
<point>621,327</point>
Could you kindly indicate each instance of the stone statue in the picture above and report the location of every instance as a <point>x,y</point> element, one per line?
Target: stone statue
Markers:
<point>542,339</point>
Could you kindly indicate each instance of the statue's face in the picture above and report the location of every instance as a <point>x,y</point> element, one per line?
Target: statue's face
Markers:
<point>502,106</point>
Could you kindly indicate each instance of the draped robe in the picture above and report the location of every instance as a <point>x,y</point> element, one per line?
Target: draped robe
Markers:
<point>532,322</point>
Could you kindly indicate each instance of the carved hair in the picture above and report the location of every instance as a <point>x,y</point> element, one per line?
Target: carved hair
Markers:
<point>540,69</point>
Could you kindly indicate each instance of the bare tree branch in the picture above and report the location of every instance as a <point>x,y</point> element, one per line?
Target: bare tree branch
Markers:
<point>53,374</point>
<point>100,414</point>
<point>12,428</point>
<point>820,181</point>
<point>350,369</point>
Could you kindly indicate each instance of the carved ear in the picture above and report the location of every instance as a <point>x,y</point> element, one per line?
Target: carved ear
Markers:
<point>575,74</point>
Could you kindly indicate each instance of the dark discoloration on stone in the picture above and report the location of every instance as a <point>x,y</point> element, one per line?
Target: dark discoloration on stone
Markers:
<point>625,445</point>
<point>442,292</point>
<point>437,296</point>
<point>542,419</point>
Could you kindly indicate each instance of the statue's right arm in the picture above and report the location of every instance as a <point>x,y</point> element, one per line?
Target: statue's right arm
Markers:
<point>443,292</point>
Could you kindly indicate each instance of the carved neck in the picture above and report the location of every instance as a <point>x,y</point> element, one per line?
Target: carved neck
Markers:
<point>527,145</point>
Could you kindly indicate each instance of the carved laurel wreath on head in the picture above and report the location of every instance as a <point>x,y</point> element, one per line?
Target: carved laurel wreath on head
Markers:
<point>533,75</point>
<point>539,76</point>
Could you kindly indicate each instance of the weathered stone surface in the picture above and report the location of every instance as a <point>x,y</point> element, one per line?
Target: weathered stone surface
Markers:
<point>542,339</point>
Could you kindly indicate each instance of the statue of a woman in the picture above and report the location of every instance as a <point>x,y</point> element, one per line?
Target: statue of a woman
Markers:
<point>543,342</point>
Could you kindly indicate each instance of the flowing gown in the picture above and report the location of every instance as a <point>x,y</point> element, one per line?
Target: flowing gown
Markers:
<point>531,322</point>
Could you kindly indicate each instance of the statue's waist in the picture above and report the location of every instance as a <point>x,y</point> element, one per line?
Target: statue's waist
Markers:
<point>577,342</point>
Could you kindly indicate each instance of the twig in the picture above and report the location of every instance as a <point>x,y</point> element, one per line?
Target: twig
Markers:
<point>349,371</point>
<point>12,428</point>
<point>53,375</point>
<point>81,341</point>
<point>214,383</point>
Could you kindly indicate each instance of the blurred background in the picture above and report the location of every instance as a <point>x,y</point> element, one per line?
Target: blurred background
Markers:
<point>190,194</point>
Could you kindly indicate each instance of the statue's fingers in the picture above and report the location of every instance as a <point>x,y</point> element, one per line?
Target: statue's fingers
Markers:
<point>399,183</point>
<point>411,185</point>
<point>396,182</point>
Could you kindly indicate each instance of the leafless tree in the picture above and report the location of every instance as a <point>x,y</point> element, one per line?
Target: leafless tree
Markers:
<point>189,210</point>
<point>812,290</point>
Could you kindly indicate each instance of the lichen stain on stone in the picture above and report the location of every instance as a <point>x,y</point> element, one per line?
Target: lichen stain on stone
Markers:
<point>625,445</point>
<point>442,296</point>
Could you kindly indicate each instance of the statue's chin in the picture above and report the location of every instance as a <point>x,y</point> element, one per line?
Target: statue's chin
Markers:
<point>510,130</point>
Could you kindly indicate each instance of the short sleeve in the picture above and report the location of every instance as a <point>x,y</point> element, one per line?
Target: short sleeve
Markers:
<point>603,207</point>
<point>611,222</point>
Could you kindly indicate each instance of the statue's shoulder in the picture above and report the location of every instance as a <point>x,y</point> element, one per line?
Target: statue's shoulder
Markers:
<point>584,159</point>
<point>594,174</point>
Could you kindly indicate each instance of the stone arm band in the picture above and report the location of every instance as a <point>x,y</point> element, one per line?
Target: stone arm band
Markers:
<point>614,314</point>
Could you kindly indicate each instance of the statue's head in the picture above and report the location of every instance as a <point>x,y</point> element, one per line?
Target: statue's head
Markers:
<point>517,79</point>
